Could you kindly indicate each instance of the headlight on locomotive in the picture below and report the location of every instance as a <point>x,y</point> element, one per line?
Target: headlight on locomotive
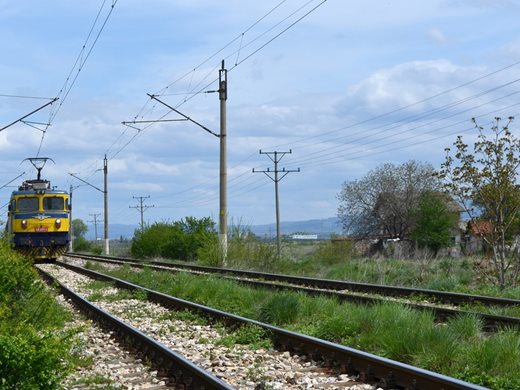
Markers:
<point>58,223</point>
<point>24,224</point>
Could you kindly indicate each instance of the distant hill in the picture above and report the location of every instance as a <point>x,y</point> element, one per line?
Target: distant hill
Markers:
<point>321,227</point>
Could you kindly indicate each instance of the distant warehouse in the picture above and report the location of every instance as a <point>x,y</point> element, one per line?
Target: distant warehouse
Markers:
<point>304,236</point>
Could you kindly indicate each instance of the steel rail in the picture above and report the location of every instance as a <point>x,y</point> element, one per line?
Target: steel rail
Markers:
<point>329,284</point>
<point>185,374</point>
<point>490,322</point>
<point>386,373</point>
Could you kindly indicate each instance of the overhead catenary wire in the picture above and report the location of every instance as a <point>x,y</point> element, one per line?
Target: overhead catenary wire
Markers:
<point>25,97</point>
<point>203,198</point>
<point>214,54</point>
<point>362,154</point>
<point>330,159</point>
<point>388,113</point>
<point>79,63</point>
<point>206,86</point>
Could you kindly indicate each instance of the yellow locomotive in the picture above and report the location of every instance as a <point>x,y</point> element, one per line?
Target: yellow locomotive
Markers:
<point>38,219</point>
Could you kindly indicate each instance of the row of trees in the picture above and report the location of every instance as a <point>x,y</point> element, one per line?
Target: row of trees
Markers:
<point>413,201</point>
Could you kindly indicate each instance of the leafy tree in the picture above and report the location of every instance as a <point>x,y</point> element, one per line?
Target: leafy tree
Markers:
<point>79,228</point>
<point>485,184</point>
<point>436,217</point>
<point>385,200</point>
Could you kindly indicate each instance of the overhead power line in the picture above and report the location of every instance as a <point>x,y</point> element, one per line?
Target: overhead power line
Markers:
<point>377,136</point>
<point>25,97</point>
<point>206,86</point>
<point>81,59</point>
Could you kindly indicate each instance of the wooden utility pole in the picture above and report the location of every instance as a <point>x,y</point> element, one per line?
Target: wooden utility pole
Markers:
<point>275,158</point>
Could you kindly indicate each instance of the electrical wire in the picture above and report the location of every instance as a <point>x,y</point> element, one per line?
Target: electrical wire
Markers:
<point>25,97</point>
<point>368,133</point>
<point>196,92</point>
<point>81,59</point>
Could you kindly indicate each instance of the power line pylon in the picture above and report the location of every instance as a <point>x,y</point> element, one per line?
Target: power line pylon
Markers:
<point>275,158</point>
<point>142,208</point>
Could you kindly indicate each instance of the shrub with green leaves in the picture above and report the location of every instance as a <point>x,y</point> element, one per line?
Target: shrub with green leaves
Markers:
<point>175,240</point>
<point>33,352</point>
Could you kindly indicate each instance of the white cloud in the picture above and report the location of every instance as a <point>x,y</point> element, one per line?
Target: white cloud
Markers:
<point>437,36</point>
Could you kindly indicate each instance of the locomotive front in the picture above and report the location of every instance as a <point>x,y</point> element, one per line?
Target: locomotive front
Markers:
<point>38,220</point>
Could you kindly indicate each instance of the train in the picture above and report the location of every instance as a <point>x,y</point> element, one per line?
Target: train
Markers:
<point>38,217</point>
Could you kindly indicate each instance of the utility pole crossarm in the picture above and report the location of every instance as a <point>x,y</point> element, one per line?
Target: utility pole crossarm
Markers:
<point>29,114</point>
<point>184,116</point>
<point>87,183</point>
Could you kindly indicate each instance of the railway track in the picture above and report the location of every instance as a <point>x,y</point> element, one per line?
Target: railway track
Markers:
<point>182,373</point>
<point>331,357</point>
<point>342,291</point>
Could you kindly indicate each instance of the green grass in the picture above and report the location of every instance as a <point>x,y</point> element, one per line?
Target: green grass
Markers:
<point>251,335</point>
<point>389,330</point>
<point>336,261</point>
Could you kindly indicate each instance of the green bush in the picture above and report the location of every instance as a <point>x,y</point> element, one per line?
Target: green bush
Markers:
<point>175,240</point>
<point>81,244</point>
<point>33,355</point>
<point>29,360</point>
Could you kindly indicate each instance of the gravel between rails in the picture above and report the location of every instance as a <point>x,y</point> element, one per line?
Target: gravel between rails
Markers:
<point>111,364</point>
<point>240,366</point>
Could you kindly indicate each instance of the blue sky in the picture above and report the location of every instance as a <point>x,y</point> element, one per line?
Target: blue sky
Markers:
<point>352,85</point>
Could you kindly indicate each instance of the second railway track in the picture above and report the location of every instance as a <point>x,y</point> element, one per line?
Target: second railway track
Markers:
<point>337,289</point>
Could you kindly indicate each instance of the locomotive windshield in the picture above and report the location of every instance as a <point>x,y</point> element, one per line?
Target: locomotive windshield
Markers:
<point>28,204</point>
<point>53,203</point>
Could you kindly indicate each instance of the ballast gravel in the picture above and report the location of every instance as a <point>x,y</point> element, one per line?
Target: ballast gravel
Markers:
<point>239,365</point>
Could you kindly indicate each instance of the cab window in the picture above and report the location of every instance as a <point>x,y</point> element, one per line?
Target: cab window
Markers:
<point>28,204</point>
<point>53,203</point>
